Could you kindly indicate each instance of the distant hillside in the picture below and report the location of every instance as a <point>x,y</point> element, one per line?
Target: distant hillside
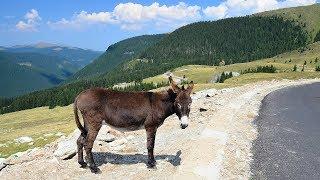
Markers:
<point>25,72</point>
<point>117,53</point>
<point>77,56</point>
<point>308,17</point>
<point>233,40</point>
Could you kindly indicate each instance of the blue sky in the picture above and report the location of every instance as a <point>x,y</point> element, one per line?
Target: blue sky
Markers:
<point>96,24</point>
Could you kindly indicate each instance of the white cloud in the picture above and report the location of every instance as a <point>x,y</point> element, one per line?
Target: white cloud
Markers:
<point>131,16</point>
<point>83,18</point>
<point>216,12</point>
<point>31,22</point>
<point>231,8</point>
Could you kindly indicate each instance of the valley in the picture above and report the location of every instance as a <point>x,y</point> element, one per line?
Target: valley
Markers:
<point>28,68</point>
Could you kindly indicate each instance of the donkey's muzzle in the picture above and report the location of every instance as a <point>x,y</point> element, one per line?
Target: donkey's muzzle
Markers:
<point>184,122</point>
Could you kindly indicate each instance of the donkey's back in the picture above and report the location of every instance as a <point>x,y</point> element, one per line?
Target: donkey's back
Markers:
<point>126,110</point>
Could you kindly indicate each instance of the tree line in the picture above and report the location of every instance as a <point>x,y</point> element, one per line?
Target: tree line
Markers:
<point>260,69</point>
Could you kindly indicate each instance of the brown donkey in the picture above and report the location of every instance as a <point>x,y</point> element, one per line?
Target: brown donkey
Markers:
<point>128,111</point>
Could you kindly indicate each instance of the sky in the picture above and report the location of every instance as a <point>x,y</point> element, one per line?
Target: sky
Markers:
<point>96,24</point>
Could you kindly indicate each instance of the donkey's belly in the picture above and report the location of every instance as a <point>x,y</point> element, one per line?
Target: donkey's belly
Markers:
<point>125,129</point>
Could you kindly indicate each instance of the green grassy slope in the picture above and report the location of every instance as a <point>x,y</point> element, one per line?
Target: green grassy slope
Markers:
<point>117,53</point>
<point>202,75</point>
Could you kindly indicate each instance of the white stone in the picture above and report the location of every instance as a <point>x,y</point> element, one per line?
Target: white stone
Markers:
<point>24,139</point>
<point>67,147</point>
<point>118,142</point>
<point>59,134</point>
<point>106,137</point>
<point>3,162</point>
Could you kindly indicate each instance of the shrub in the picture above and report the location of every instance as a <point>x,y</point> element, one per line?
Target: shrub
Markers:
<point>224,76</point>
<point>295,68</point>
<point>318,68</point>
<point>261,69</point>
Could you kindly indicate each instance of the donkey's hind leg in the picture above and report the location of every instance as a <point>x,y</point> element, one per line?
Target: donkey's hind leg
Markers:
<point>93,130</point>
<point>80,144</point>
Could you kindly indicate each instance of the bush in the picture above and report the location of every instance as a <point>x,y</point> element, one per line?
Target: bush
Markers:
<point>261,69</point>
<point>224,76</point>
<point>318,68</point>
<point>295,68</point>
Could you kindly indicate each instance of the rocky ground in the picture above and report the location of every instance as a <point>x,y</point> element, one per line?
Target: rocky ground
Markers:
<point>216,144</point>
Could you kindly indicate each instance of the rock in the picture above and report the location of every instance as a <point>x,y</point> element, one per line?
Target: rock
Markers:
<point>202,109</point>
<point>48,135</point>
<point>23,139</point>
<point>119,148</point>
<point>118,142</point>
<point>3,163</point>
<point>67,148</point>
<point>3,145</point>
<point>106,137</point>
<point>59,134</point>
<point>130,137</point>
<point>16,158</point>
<point>204,93</point>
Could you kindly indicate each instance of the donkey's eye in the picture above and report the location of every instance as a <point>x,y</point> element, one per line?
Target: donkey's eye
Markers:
<point>179,106</point>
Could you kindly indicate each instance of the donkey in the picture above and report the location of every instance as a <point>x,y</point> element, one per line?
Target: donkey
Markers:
<point>128,111</point>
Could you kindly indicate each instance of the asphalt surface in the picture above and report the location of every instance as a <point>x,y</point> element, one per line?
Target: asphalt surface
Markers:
<point>288,144</point>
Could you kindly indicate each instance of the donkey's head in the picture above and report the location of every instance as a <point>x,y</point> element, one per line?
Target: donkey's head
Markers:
<point>182,102</point>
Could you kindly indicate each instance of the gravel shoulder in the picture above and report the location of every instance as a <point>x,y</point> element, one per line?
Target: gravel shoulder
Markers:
<point>216,145</point>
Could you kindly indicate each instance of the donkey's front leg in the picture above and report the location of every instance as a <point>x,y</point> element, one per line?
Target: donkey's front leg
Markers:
<point>151,135</point>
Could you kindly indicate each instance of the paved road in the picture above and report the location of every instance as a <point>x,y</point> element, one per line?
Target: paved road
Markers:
<point>288,145</point>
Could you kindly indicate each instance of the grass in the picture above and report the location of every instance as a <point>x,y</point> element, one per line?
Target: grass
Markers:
<point>284,63</point>
<point>41,124</point>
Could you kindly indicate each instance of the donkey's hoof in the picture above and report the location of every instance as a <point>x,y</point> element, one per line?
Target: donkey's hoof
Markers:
<point>95,170</point>
<point>83,164</point>
<point>152,164</point>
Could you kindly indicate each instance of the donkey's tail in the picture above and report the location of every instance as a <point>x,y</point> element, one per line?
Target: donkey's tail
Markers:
<point>76,117</point>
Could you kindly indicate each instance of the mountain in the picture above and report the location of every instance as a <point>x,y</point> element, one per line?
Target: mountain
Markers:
<point>25,72</point>
<point>305,16</point>
<point>232,40</point>
<point>116,54</point>
<point>77,56</point>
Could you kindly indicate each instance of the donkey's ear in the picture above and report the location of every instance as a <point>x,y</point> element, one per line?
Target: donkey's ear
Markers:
<point>174,86</point>
<point>190,87</point>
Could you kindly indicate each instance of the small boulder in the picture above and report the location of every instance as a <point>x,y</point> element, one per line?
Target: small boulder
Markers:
<point>67,148</point>
<point>202,109</point>
<point>118,142</point>
<point>106,137</point>
<point>3,163</point>
<point>24,139</point>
